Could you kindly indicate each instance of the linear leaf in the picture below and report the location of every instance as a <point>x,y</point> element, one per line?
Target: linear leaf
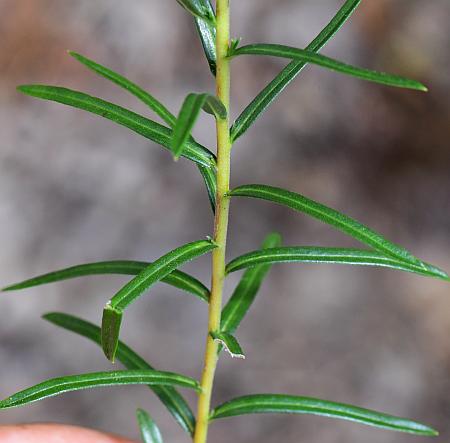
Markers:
<point>207,33</point>
<point>159,269</point>
<point>245,292</point>
<point>289,404</point>
<point>137,123</point>
<point>208,174</point>
<point>327,215</point>
<point>290,72</point>
<point>129,86</point>
<point>168,395</point>
<point>177,278</point>
<point>146,278</point>
<point>210,179</point>
<point>70,383</point>
<point>230,343</point>
<point>197,9</point>
<point>315,254</point>
<point>150,432</point>
<point>329,63</point>
<point>188,115</point>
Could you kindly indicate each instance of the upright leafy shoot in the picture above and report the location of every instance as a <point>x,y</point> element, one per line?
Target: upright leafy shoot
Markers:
<point>175,135</point>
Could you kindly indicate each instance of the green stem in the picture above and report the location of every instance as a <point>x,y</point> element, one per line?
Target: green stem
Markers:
<point>221,220</point>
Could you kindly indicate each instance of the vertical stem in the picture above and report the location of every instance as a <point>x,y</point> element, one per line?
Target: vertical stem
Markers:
<point>221,219</point>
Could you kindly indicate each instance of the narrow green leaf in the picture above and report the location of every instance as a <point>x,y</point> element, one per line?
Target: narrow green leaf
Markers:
<point>329,63</point>
<point>315,254</point>
<point>197,9</point>
<point>146,278</point>
<point>210,179</point>
<point>159,269</point>
<point>289,404</point>
<point>290,72</point>
<point>230,343</point>
<point>129,86</point>
<point>177,278</point>
<point>137,123</point>
<point>149,430</point>
<point>208,174</point>
<point>188,115</point>
<point>111,321</point>
<point>327,215</point>
<point>70,383</point>
<point>168,395</point>
<point>245,292</point>
<point>207,33</point>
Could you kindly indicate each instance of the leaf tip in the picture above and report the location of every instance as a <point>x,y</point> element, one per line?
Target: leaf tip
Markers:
<point>28,89</point>
<point>73,54</point>
<point>436,272</point>
<point>8,288</point>
<point>111,321</point>
<point>50,317</point>
<point>426,430</point>
<point>22,88</point>
<point>272,240</point>
<point>4,404</point>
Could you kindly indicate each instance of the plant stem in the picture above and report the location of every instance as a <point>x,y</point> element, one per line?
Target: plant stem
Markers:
<point>221,219</point>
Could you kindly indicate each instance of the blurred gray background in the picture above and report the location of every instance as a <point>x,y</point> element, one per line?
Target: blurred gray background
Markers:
<point>75,188</point>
